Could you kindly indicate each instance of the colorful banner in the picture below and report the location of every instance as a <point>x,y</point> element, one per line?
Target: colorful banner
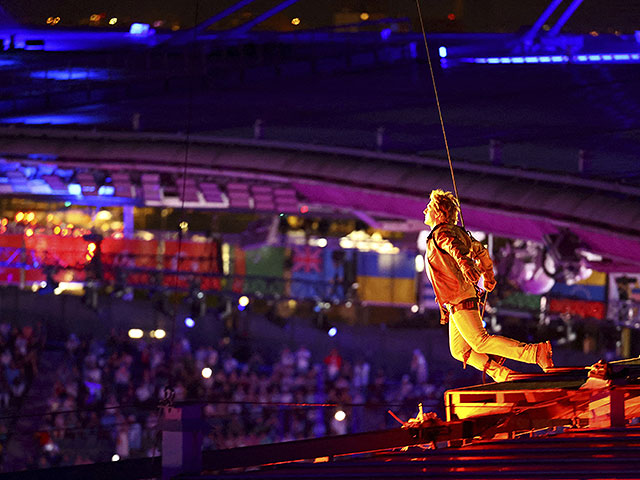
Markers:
<point>593,288</point>
<point>386,278</point>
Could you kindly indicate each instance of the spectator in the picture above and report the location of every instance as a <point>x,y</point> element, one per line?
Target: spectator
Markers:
<point>333,361</point>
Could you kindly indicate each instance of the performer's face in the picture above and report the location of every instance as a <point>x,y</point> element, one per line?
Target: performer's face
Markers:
<point>429,216</point>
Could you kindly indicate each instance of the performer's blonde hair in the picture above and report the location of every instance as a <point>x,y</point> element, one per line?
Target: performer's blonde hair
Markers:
<point>446,205</point>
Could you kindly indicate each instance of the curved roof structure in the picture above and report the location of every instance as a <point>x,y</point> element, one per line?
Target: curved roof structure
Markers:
<point>389,190</point>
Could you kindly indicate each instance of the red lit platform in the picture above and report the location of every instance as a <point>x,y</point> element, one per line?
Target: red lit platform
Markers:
<point>600,396</point>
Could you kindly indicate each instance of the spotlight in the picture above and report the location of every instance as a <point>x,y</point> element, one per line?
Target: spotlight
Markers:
<point>189,322</point>
<point>135,333</point>
<point>206,372</point>
<point>243,301</point>
<point>115,457</point>
<point>159,334</point>
<point>333,331</point>
<point>340,415</point>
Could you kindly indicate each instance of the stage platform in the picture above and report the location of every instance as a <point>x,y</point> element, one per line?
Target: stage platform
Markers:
<point>602,395</point>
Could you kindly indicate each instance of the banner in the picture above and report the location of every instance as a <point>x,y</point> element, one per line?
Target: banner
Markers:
<point>194,257</point>
<point>517,300</point>
<point>386,278</point>
<point>307,269</point>
<point>120,255</point>
<point>321,273</point>
<point>266,262</point>
<point>10,255</point>
<point>580,308</point>
<point>593,288</point>
<point>66,254</point>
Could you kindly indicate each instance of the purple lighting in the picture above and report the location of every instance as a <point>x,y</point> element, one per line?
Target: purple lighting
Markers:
<point>80,74</point>
<point>583,58</point>
<point>56,119</point>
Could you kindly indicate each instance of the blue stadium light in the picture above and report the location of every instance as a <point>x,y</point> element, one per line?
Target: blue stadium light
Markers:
<point>385,33</point>
<point>442,51</point>
<point>83,74</point>
<point>517,60</point>
<point>622,56</point>
<point>480,60</point>
<point>241,307</point>
<point>332,332</point>
<point>106,190</point>
<point>74,189</point>
<point>505,60</point>
<point>55,119</point>
<point>531,59</point>
<point>545,59</point>
<point>582,58</point>
<point>595,58</point>
<point>140,29</point>
<point>635,56</point>
<point>557,59</point>
<point>413,50</point>
<point>493,60</point>
<point>189,322</point>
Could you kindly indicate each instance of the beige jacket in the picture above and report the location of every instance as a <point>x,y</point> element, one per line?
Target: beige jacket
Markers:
<point>457,251</point>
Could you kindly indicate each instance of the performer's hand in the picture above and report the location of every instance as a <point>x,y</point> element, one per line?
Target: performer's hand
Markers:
<point>489,283</point>
<point>469,271</point>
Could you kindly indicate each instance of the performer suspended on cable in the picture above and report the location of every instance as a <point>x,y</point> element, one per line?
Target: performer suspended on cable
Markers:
<point>456,262</point>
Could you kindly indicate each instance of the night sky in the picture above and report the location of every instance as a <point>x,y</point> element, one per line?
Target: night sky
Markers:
<point>471,15</point>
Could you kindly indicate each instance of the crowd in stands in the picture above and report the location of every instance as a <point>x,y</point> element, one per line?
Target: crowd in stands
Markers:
<point>19,350</point>
<point>107,393</point>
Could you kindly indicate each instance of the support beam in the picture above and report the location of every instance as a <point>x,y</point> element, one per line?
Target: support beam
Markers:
<point>186,36</point>
<point>566,15</point>
<point>339,445</point>
<point>528,37</point>
<point>244,28</point>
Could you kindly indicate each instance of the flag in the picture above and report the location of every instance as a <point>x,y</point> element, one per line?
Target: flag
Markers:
<point>123,256</point>
<point>321,273</point>
<point>10,254</point>
<point>386,278</point>
<point>264,271</point>
<point>591,289</point>
<point>580,308</point>
<point>307,280</point>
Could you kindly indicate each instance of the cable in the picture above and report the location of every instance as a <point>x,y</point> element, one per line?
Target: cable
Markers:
<point>77,410</point>
<point>184,185</point>
<point>435,91</point>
